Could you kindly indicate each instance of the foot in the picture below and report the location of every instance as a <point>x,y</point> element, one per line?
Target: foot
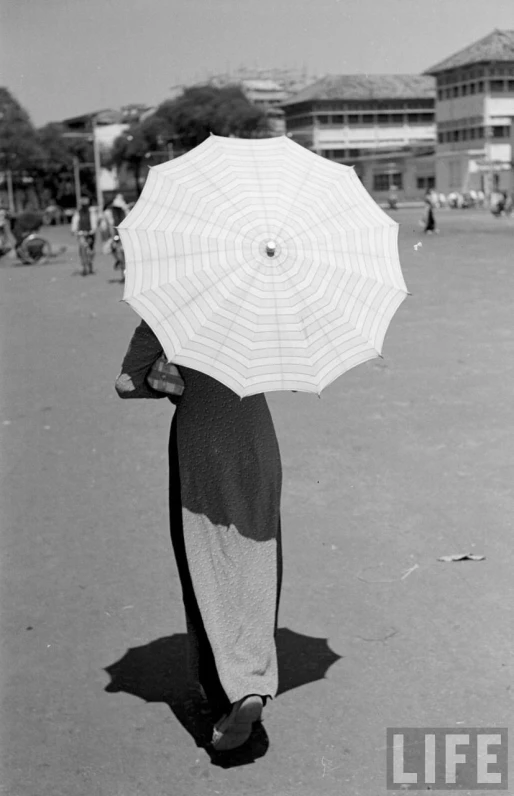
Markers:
<point>234,729</point>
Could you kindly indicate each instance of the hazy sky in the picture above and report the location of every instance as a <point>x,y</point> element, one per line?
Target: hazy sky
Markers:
<point>66,57</point>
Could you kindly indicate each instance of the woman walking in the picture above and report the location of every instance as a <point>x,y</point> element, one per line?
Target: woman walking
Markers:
<point>430,225</point>
<point>225,486</point>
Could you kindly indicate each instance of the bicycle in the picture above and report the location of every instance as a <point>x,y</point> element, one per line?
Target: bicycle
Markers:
<point>86,251</point>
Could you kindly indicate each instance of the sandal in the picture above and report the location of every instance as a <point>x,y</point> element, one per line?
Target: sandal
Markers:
<point>233,729</point>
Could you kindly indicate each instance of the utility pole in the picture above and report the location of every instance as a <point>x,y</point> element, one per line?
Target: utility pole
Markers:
<point>98,167</point>
<point>10,191</point>
<point>488,159</point>
<point>512,156</point>
<point>76,178</point>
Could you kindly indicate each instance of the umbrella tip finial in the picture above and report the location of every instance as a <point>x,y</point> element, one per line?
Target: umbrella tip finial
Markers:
<point>271,248</point>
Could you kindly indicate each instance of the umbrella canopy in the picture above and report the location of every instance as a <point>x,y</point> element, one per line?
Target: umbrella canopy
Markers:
<point>262,265</point>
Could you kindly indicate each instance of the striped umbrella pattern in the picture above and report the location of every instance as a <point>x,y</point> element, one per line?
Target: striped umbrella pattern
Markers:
<point>261,264</point>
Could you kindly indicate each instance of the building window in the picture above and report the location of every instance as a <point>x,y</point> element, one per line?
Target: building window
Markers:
<point>354,153</point>
<point>472,133</point>
<point>353,118</point>
<point>502,131</point>
<point>339,119</point>
<point>497,86</point>
<point>480,86</point>
<point>439,94</point>
<point>511,85</point>
<point>440,138</point>
<point>334,154</point>
<point>368,118</point>
<point>383,182</point>
<point>472,88</point>
<point>425,183</point>
<point>455,91</point>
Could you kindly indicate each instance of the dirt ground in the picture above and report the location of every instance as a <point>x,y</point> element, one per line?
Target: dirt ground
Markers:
<point>401,461</point>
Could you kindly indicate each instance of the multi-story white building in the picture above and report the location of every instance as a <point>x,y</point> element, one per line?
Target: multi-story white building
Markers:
<point>383,125</point>
<point>474,114</point>
<point>268,89</point>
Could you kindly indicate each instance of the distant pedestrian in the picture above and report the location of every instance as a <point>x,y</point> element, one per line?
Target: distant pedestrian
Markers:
<point>393,197</point>
<point>84,225</point>
<point>114,215</point>
<point>430,225</point>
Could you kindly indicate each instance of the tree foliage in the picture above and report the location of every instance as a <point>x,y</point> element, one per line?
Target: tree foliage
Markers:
<point>19,147</point>
<point>54,171</point>
<point>48,154</point>
<point>201,110</point>
<point>40,158</point>
<point>132,147</point>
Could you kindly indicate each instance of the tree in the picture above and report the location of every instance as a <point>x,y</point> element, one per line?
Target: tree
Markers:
<point>201,110</point>
<point>133,147</point>
<point>54,170</point>
<point>19,147</point>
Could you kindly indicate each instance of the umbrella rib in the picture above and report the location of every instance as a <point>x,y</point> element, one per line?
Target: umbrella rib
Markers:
<point>230,200</point>
<point>354,251</point>
<point>337,214</point>
<point>295,197</point>
<point>187,255</point>
<point>264,207</point>
<point>304,306</point>
<point>183,213</point>
<point>362,303</point>
<point>234,319</point>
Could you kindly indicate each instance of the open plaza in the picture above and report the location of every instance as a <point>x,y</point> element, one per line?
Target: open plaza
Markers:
<point>402,461</point>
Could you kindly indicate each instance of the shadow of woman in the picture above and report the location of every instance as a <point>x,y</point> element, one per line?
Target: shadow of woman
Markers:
<point>157,672</point>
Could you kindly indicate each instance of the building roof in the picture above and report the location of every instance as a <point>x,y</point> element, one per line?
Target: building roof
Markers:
<point>358,87</point>
<point>261,85</point>
<point>106,116</point>
<point>496,46</point>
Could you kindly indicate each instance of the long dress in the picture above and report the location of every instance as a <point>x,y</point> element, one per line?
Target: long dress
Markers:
<point>225,486</point>
<point>429,218</point>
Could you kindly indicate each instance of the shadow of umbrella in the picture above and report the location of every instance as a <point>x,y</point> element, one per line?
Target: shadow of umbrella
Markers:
<point>157,672</point>
<point>302,659</point>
